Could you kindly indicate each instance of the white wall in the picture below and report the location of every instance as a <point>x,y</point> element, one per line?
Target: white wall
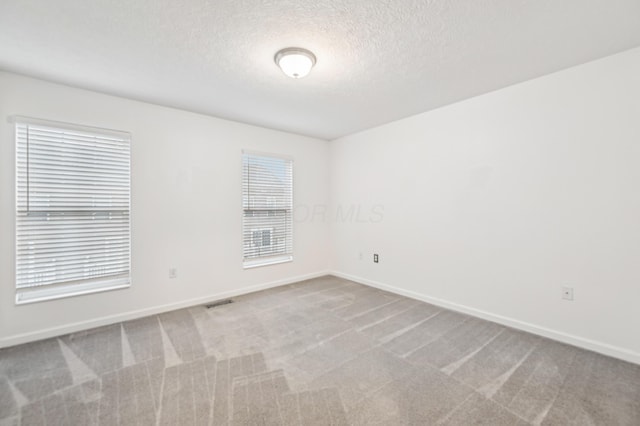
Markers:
<point>186,207</point>
<point>488,206</point>
<point>491,205</point>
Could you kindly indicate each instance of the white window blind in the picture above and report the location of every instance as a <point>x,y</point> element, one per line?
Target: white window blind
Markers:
<point>267,200</point>
<point>72,210</point>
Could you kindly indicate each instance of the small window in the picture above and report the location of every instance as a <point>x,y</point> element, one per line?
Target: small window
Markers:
<point>267,200</point>
<point>262,238</point>
<point>72,210</point>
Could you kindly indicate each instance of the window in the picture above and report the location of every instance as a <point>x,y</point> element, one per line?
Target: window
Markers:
<point>267,201</point>
<point>72,210</point>
<point>262,237</point>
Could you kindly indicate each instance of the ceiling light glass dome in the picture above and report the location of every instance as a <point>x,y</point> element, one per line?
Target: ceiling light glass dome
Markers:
<point>295,62</point>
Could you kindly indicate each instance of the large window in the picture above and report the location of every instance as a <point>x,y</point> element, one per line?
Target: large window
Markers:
<point>72,210</point>
<point>267,201</point>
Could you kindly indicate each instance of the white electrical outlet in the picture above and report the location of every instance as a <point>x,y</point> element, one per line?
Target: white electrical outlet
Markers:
<point>360,256</point>
<point>567,293</point>
<point>173,272</point>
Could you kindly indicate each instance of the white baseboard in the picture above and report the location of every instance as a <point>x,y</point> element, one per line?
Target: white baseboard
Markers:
<point>126,316</point>
<point>592,345</point>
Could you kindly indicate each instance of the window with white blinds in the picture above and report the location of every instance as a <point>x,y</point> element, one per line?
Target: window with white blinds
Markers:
<point>72,210</point>
<point>267,201</point>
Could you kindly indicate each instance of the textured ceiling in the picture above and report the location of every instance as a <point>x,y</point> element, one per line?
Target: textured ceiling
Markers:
<point>378,60</point>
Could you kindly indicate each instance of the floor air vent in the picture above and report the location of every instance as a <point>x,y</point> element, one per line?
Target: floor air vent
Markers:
<point>218,303</point>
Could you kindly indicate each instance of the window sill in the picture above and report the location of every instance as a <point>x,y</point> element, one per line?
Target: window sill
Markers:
<point>33,295</point>
<point>256,263</point>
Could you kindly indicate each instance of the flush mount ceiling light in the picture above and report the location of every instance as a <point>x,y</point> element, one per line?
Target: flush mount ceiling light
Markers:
<point>295,62</point>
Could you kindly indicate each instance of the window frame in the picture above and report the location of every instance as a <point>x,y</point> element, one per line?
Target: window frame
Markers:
<point>66,289</point>
<point>272,259</point>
